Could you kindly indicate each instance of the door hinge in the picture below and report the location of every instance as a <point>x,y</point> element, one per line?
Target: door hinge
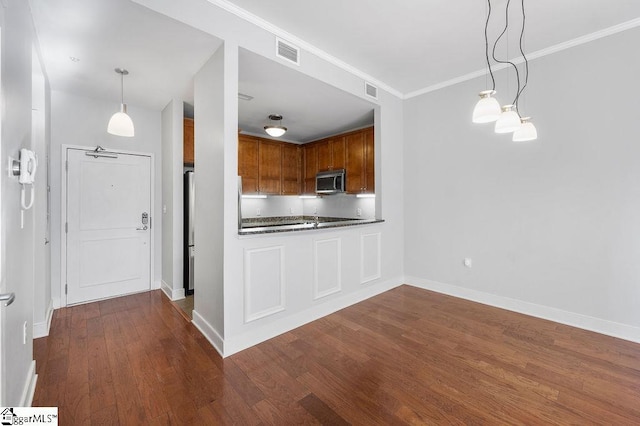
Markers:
<point>66,227</point>
<point>66,288</point>
<point>150,222</point>
<point>66,165</point>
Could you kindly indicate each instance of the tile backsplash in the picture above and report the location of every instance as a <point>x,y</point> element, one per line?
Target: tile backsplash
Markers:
<point>339,205</point>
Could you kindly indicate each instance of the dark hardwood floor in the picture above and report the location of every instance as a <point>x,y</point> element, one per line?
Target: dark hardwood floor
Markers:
<point>407,356</point>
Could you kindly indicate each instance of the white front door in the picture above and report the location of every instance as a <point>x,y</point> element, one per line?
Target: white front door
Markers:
<point>108,240</point>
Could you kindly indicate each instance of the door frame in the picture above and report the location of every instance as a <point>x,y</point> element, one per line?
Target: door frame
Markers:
<point>63,214</point>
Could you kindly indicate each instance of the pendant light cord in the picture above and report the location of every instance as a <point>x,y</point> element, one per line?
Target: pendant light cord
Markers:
<point>486,45</point>
<point>122,87</point>
<point>526,62</point>
<point>506,26</point>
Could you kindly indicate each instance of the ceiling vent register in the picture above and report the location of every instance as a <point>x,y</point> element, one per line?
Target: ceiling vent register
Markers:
<point>287,51</point>
<point>370,90</point>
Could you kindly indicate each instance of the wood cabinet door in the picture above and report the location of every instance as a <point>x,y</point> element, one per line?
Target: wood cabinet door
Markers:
<point>338,152</point>
<point>188,156</point>
<point>354,143</point>
<point>248,163</point>
<point>369,162</point>
<point>324,156</point>
<point>290,169</point>
<point>269,167</point>
<point>310,168</point>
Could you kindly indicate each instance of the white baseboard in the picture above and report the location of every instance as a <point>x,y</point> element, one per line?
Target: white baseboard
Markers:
<point>598,325</point>
<point>29,387</point>
<point>41,329</point>
<point>157,284</point>
<point>261,333</point>
<point>172,293</point>
<point>209,332</point>
<point>57,303</point>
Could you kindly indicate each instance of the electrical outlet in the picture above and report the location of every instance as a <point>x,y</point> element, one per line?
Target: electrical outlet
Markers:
<point>24,333</point>
<point>315,210</point>
<point>290,210</point>
<point>258,212</point>
<point>359,212</point>
<point>468,262</point>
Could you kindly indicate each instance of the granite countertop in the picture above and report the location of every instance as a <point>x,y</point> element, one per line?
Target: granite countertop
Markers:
<point>270,225</point>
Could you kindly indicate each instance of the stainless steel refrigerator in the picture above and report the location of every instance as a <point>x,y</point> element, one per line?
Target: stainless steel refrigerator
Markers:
<point>189,207</point>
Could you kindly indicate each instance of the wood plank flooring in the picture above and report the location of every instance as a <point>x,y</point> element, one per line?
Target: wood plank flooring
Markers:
<point>408,356</point>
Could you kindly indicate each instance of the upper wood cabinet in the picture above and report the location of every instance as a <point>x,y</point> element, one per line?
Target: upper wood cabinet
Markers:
<point>272,167</point>
<point>268,167</point>
<point>360,162</point>
<point>188,138</point>
<point>331,153</point>
<point>248,163</point>
<point>291,169</point>
<point>310,168</point>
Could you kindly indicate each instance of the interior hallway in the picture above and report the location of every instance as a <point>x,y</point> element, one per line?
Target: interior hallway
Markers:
<point>408,356</point>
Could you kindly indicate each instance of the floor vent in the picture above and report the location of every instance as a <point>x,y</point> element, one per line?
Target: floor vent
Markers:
<point>287,51</point>
<point>370,90</point>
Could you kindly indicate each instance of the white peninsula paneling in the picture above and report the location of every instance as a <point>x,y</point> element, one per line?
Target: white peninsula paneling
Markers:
<point>263,282</point>
<point>327,277</point>
<point>370,257</point>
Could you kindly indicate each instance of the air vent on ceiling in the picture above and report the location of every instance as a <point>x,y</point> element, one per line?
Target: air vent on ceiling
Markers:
<point>370,90</point>
<point>287,51</point>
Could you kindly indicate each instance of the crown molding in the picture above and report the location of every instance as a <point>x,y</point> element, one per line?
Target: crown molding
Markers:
<point>634,23</point>
<point>279,32</point>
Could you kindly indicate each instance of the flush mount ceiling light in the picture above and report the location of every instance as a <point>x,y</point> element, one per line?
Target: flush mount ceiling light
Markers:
<point>487,110</point>
<point>275,131</point>
<point>120,123</point>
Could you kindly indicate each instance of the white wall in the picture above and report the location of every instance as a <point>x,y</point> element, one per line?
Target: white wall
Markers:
<point>41,115</point>
<point>81,121</point>
<point>551,225</point>
<point>210,87</point>
<point>172,200</point>
<point>16,242</point>
<point>299,265</point>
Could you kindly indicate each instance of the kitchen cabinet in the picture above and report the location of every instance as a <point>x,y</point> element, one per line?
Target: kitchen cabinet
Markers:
<point>188,139</point>
<point>248,163</point>
<point>360,162</point>
<point>269,167</point>
<point>310,168</point>
<point>331,153</point>
<point>291,169</point>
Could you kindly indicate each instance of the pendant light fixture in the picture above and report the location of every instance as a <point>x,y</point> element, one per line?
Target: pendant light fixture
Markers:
<point>507,119</point>
<point>120,123</point>
<point>487,109</point>
<point>273,130</point>
<point>526,132</point>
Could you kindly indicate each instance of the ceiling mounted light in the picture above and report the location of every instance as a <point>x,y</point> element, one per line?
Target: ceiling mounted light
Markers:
<point>275,131</point>
<point>526,132</point>
<point>120,123</point>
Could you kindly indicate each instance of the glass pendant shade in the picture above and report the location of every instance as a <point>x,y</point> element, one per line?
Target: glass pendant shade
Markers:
<point>121,124</point>
<point>487,109</point>
<point>526,132</point>
<point>275,131</point>
<point>509,120</point>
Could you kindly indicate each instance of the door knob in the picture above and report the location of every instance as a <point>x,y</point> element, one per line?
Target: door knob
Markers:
<point>7,298</point>
<point>144,228</point>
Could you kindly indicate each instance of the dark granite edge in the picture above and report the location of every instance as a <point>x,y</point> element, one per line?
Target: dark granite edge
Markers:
<point>321,226</point>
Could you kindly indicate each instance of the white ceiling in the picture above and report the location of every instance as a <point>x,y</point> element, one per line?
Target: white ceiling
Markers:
<point>161,55</point>
<point>408,46</point>
<point>310,108</point>
<point>414,44</point>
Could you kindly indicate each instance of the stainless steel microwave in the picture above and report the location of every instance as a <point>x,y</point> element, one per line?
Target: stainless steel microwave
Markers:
<point>330,182</point>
